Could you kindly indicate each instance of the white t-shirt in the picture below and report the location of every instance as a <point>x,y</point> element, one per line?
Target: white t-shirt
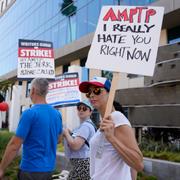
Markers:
<point>110,166</point>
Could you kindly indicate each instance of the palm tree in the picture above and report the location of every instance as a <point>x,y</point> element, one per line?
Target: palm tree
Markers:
<point>5,84</point>
<point>68,9</point>
<point>107,74</point>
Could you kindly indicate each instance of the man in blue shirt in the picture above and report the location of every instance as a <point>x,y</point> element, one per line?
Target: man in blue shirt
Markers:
<point>39,130</point>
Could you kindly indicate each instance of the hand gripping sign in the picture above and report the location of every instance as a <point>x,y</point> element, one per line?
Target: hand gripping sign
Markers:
<point>126,40</point>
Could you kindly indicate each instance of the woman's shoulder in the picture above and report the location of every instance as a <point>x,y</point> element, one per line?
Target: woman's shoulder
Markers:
<point>118,114</point>
<point>119,119</point>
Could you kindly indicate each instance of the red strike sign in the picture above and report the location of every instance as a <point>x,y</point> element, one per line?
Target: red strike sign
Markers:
<point>64,83</point>
<point>39,53</point>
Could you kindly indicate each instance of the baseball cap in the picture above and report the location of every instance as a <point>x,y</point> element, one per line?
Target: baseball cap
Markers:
<point>96,81</point>
<point>86,103</point>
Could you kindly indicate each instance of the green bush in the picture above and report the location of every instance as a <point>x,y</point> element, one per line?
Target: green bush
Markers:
<point>164,155</point>
<point>5,136</point>
<point>159,150</point>
<point>60,147</point>
<point>143,176</point>
<point>156,146</point>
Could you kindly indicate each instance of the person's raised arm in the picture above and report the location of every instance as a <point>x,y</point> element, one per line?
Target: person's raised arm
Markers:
<point>74,143</point>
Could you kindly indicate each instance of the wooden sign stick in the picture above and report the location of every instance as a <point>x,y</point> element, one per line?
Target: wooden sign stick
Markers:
<point>112,92</point>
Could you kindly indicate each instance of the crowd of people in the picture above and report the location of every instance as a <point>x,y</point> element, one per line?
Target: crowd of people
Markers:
<point>109,152</point>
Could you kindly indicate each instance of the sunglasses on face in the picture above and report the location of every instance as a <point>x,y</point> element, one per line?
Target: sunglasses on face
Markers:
<point>83,108</point>
<point>95,91</point>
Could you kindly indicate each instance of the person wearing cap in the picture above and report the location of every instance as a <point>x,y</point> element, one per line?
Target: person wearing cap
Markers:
<point>77,143</point>
<point>113,149</point>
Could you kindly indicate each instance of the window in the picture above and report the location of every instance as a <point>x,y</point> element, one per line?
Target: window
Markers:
<point>132,76</point>
<point>134,2</point>
<point>65,68</point>
<point>85,71</point>
<point>92,15</point>
<point>20,83</point>
<point>108,2</point>
<point>85,74</point>
<point>28,87</point>
<point>81,20</point>
<point>174,35</point>
<point>83,62</point>
<point>2,4</point>
<point>63,32</point>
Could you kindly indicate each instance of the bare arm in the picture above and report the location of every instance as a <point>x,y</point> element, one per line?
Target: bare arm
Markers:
<point>60,139</point>
<point>123,140</point>
<point>10,153</point>
<point>133,174</point>
<point>74,143</point>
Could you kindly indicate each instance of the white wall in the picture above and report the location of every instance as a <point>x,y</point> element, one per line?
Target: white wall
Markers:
<point>14,112</point>
<point>125,82</point>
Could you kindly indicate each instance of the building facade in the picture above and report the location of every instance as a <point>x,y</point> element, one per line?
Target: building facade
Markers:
<point>71,33</point>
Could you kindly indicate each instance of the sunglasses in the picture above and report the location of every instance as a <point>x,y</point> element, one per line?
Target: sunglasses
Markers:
<point>95,91</point>
<point>83,108</point>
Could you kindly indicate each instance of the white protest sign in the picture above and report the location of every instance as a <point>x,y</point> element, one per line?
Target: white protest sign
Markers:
<point>126,39</point>
<point>64,90</point>
<point>35,59</point>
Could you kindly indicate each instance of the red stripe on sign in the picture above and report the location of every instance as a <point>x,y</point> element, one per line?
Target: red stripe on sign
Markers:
<point>64,83</point>
<point>36,52</point>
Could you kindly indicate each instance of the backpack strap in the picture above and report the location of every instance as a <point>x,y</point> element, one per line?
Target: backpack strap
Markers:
<point>92,125</point>
<point>86,142</point>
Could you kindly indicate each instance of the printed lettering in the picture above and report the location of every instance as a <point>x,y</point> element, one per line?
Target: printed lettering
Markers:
<point>113,38</point>
<point>133,14</point>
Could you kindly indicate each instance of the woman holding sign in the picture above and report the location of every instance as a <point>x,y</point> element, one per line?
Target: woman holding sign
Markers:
<point>113,149</point>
